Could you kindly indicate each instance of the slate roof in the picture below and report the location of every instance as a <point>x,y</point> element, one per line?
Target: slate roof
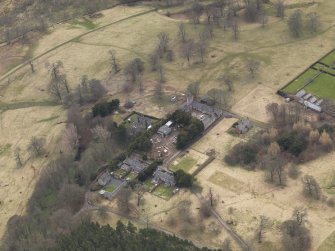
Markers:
<point>164,176</point>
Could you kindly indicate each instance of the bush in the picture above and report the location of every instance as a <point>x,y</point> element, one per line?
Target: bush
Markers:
<point>183,179</point>
<point>293,142</point>
<point>105,108</point>
<point>326,127</point>
<point>243,154</point>
<point>141,143</point>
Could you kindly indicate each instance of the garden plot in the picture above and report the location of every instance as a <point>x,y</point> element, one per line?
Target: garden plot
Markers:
<point>188,162</point>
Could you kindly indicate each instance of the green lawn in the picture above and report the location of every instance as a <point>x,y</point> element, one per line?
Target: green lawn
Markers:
<point>323,87</point>
<point>148,185</point>
<point>328,244</point>
<point>324,68</point>
<point>131,176</point>
<point>185,164</point>
<point>120,173</point>
<point>300,81</point>
<point>164,192</point>
<point>110,189</point>
<point>329,60</point>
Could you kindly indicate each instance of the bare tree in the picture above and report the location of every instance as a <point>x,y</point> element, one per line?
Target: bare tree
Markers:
<point>193,89</point>
<point>182,32</point>
<point>134,69</point>
<point>139,190</point>
<point>235,29</point>
<point>219,96</point>
<point>252,67</point>
<point>227,79</point>
<point>184,211</point>
<point>36,147</point>
<point>202,49</point>
<point>227,245</point>
<point>196,12</point>
<point>18,157</point>
<point>58,86</point>
<point>161,74</point>
<point>313,22</point>
<point>311,187</point>
<point>72,136</point>
<point>299,214</point>
<point>72,197</point>
<point>154,60</point>
<point>32,68</point>
<point>187,50</point>
<point>251,11</point>
<point>211,197</point>
<point>280,8</point>
<point>263,19</point>
<point>101,134</point>
<point>163,42</point>
<point>263,223</point>
<point>295,23</point>
<point>123,200</point>
<point>115,65</point>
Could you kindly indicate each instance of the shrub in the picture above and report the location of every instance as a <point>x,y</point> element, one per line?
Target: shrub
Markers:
<point>103,109</point>
<point>183,179</point>
<point>292,142</point>
<point>326,127</point>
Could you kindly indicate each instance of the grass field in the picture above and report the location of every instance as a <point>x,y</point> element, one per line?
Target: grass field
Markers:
<point>323,84</point>
<point>323,87</point>
<point>328,244</point>
<point>185,164</point>
<point>164,192</point>
<point>329,60</point>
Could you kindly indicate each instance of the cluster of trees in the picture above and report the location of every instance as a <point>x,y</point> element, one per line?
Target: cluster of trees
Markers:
<point>103,109</point>
<point>290,140</point>
<point>149,171</point>
<point>123,237</point>
<point>297,23</point>
<point>295,235</point>
<point>192,128</point>
<point>37,15</point>
<point>183,179</point>
<point>88,90</point>
<point>141,143</point>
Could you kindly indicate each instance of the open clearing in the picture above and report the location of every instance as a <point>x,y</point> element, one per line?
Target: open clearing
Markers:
<point>189,162</point>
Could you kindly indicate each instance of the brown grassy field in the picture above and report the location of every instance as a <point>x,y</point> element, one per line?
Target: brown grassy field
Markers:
<point>25,112</point>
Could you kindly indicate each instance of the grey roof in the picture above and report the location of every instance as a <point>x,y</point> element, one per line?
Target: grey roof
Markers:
<point>300,93</point>
<point>164,176</point>
<point>205,108</point>
<point>164,130</point>
<point>104,179</point>
<point>307,96</point>
<point>134,164</point>
<point>313,106</point>
<point>140,124</point>
<point>313,99</point>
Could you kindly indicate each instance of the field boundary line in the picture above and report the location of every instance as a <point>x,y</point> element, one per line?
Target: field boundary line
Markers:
<point>12,71</point>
